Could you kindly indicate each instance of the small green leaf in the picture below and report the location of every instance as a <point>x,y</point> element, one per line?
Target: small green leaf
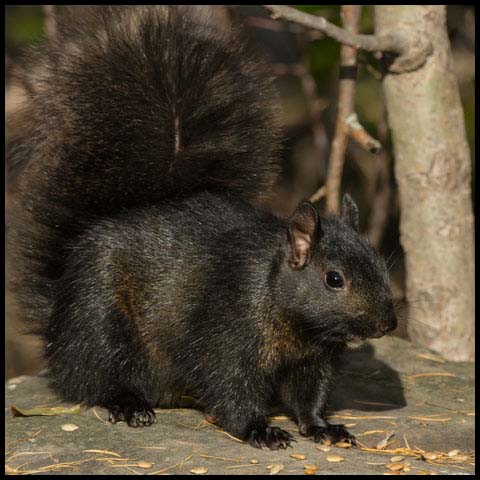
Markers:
<point>35,411</point>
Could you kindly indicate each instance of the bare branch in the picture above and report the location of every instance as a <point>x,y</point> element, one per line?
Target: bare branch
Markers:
<point>388,43</point>
<point>411,53</point>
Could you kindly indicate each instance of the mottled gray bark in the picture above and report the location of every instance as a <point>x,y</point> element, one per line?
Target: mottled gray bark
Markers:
<point>433,172</point>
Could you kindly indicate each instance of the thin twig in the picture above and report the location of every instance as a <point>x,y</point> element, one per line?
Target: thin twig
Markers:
<point>320,193</point>
<point>346,97</point>
<point>358,133</point>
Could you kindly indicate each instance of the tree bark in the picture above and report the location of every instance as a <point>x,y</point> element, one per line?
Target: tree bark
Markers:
<point>433,172</point>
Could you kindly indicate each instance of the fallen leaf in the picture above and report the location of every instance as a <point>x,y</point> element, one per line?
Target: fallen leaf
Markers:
<point>47,411</point>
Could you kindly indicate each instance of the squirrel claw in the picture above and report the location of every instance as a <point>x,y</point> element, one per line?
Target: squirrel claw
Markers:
<point>272,437</point>
<point>141,418</point>
<point>335,433</point>
<point>134,417</point>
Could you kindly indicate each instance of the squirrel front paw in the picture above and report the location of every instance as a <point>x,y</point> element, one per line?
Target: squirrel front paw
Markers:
<point>335,433</point>
<point>135,417</point>
<point>132,408</point>
<point>271,437</point>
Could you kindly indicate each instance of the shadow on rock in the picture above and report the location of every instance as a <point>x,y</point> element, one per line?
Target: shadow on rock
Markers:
<point>366,383</point>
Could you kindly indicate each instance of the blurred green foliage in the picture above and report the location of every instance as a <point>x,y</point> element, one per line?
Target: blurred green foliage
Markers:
<point>23,26</point>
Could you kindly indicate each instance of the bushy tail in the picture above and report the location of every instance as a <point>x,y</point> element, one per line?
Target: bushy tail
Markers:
<point>127,106</point>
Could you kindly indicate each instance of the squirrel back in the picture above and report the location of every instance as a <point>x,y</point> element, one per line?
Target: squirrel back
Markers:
<point>127,106</point>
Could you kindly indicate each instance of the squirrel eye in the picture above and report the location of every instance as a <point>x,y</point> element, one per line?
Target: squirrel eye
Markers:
<point>334,280</point>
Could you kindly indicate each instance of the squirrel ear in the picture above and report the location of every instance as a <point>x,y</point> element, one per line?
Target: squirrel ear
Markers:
<point>350,212</point>
<point>303,229</point>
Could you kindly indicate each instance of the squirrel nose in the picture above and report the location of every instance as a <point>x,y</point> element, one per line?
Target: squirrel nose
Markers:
<point>390,324</point>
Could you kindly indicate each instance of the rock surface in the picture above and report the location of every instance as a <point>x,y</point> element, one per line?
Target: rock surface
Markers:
<point>385,386</point>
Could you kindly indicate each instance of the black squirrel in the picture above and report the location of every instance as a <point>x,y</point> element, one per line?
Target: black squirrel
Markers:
<point>138,251</point>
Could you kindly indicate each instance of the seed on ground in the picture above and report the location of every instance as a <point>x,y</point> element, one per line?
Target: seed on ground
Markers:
<point>298,456</point>
<point>343,445</point>
<point>69,427</point>
<point>453,453</point>
<point>335,458</point>
<point>275,468</point>
<point>324,448</point>
<point>395,467</point>
<point>199,470</point>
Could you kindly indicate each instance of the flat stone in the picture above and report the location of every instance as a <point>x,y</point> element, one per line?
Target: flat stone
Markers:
<point>378,390</point>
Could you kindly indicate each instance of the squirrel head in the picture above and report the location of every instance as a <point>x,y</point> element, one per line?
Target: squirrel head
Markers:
<point>332,280</point>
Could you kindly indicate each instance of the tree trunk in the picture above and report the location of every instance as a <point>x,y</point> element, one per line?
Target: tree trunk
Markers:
<point>433,172</point>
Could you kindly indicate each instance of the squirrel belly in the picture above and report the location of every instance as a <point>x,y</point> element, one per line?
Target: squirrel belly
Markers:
<point>136,248</point>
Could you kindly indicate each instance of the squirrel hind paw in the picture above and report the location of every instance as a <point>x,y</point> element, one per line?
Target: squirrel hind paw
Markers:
<point>273,438</point>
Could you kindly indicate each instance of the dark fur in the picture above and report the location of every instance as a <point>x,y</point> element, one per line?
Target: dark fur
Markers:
<point>140,258</point>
